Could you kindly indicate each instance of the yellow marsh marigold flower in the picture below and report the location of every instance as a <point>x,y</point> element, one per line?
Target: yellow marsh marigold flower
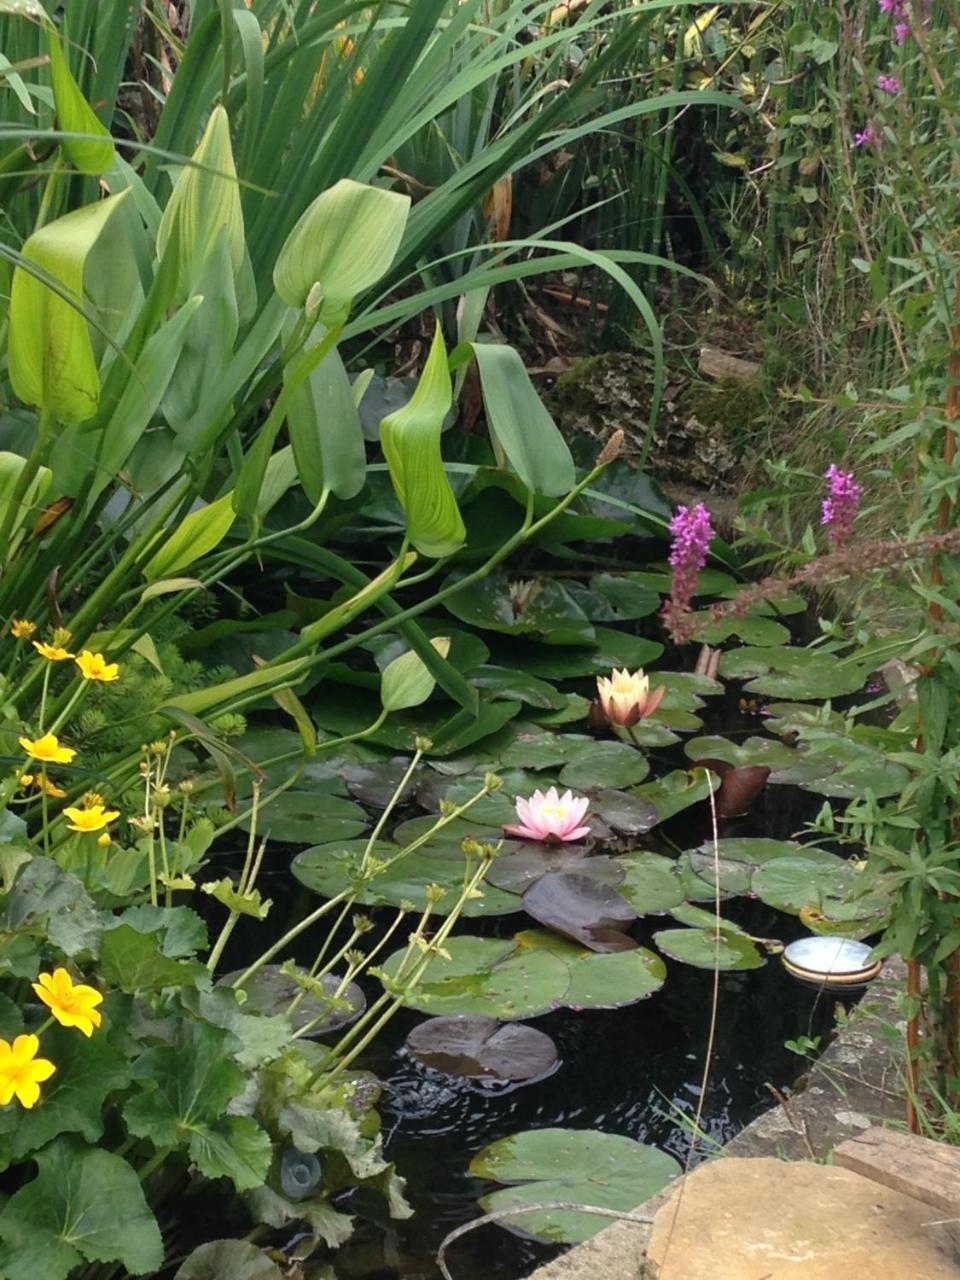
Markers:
<point>93,666</point>
<point>104,841</point>
<point>21,1071</point>
<point>626,697</point>
<point>91,799</point>
<point>42,784</point>
<point>22,628</point>
<point>52,652</point>
<point>93,819</point>
<point>71,1003</point>
<point>48,749</point>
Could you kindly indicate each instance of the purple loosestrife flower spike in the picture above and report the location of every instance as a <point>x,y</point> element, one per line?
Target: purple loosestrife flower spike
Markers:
<point>865,137</point>
<point>900,32</point>
<point>840,505</point>
<point>888,84</point>
<point>692,535</point>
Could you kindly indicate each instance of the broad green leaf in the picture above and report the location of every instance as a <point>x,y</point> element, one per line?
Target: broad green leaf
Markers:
<point>133,961</point>
<point>205,202</point>
<point>704,950</point>
<point>579,1166</point>
<point>87,1071</point>
<point>48,902</point>
<point>51,356</point>
<point>74,115</point>
<point>523,431</point>
<point>406,682</point>
<point>233,1147</point>
<point>325,431</point>
<point>238,1259</point>
<point>83,1206</point>
<point>198,533</point>
<point>344,242</point>
<point>411,445</point>
<point>605,764</point>
<point>651,882</point>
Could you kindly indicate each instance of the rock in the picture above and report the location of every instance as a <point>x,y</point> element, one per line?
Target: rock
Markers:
<point>766,1219</point>
<point>715,363</point>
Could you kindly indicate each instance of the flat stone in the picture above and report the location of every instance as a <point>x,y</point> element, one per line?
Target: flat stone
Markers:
<point>764,1219</point>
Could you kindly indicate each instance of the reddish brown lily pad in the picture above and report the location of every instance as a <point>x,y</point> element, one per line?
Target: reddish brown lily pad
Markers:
<point>583,908</point>
<point>483,1048</point>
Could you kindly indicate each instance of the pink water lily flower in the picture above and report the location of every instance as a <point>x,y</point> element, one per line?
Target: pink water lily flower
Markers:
<point>550,817</point>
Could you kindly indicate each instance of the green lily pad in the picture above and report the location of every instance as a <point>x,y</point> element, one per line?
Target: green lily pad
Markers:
<point>504,682</point>
<point>575,708</point>
<point>651,882</point>
<point>734,860</point>
<point>574,1166</point>
<point>831,891</point>
<point>466,648</point>
<point>799,674</point>
<point>627,814</point>
<point>751,630</point>
<point>676,791</point>
<point>700,948</point>
<point>605,764</point>
<point>330,869</point>
<point>652,733</point>
<point>755,751</point>
<point>302,817</point>
<point>448,837</point>
<point>271,990</point>
<point>537,749</point>
<point>697,918</point>
<point>614,649</point>
<point>529,974</point>
<point>539,606</point>
<point>613,597</point>
<point>348,710</point>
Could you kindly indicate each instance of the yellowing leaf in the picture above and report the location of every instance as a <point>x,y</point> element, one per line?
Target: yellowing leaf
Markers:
<point>51,356</point>
<point>197,533</point>
<point>693,36</point>
<point>344,242</point>
<point>75,115</point>
<point>205,201</point>
<point>11,464</point>
<point>411,445</point>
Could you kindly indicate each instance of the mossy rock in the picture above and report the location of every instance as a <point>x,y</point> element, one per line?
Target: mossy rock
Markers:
<point>701,429</point>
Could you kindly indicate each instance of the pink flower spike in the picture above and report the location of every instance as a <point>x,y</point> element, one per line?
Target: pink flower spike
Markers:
<point>550,817</point>
<point>900,32</point>
<point>840,505</point>
<point>888,84</point>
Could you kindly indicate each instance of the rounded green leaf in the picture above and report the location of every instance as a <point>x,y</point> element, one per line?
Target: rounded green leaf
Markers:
<point>579,1166</point>
<point>237,1259</point>
<point>605,764</point>
<point>700,948</point>
<point>406,682</point>
<point>344,242</point>
<point>651,882</point>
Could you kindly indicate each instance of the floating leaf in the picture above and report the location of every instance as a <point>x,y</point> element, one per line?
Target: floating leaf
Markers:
<point>823,891</point>
<point>676,791</point>
<point>800,674</point>
<point>615,598</point>
<point>651,882</point>
<point>629,815</point>
<point>482,1048</point>
<point>739,787</point>
<point>330,869</point>
<point>702,949</point>
<point>574,1166</point>
<point>516,871</point>
<point>582,908</point>
<point>734,860</point>
<point>304,817</point>
<point>605,764</point>
<point>272,989</point>
<point>83,1206</point>
<point>541,606</point>
<point>613,649</point>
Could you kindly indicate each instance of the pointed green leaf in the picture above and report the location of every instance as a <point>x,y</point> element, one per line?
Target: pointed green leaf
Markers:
<point>411,445</point>
<point>344,242</point>
<point>197,533</point>
<point>406,682</point>
<point>83,1205</point>
<point>523,431</point>
<point>51,356</point>
<point>325,430</point>
<point>75,115</point>
<point>205,202</point>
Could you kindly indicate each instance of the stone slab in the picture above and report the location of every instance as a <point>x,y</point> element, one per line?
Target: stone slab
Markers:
<point>766,1219</point>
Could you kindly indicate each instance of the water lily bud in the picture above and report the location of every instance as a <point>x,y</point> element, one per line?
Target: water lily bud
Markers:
<point>626,697</point>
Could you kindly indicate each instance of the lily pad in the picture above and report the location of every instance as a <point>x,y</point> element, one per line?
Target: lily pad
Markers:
<point>579,1166</point>
<point>515,872</point>
<point>330,869</point>
<point>483,1048</point>
<point>613,597</point>
<point>798,674</point>
<point>735,860</point>
<point>540,606</point>
<point>504,682</point>
<point>605,764</point>
<point>702,949</point>
<point>755,751</point>
<point>539,749</point>
<point>676,791</point>
<point>750,629</point>
<point>582,908</point>
<point>375,783</point>
<point>627,814</point>
<point>271,990</point>
<point>304,817</point>
<point>613,649</point>
<point>822,892</point>
<point>651,882</point>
